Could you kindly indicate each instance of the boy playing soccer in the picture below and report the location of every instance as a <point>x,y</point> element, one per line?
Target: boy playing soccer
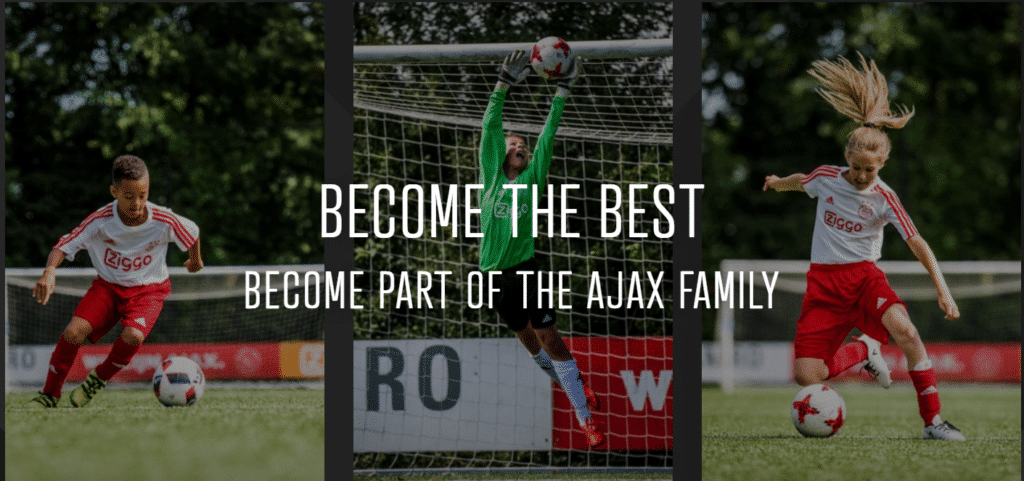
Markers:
<point>505,160</point>
<point>127,243</point>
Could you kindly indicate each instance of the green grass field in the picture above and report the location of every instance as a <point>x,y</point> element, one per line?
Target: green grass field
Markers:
<point>244,434</point>
<point>748,435</point>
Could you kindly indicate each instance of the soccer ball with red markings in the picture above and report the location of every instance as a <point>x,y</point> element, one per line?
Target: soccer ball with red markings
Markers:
<point>818,411</point>
<point>551,57</point>
<point>179,382</point>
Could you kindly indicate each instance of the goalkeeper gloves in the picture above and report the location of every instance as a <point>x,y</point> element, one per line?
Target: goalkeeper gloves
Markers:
<point>514,68</point>
<point>566,81</point>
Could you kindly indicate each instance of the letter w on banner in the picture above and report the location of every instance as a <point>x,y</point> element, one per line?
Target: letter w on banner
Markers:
<point>632,377</point>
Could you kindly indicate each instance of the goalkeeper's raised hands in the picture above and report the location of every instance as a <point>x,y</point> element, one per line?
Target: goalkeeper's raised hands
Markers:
<point>566,81</point>
<point>514,69</point>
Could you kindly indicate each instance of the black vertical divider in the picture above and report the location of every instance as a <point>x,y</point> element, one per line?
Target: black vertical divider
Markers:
<point>338,255</point>
<point>686,251</point>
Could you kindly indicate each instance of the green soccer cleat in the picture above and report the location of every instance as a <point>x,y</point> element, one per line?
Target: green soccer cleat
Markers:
<point>84,393</point>
<point>43,400</point>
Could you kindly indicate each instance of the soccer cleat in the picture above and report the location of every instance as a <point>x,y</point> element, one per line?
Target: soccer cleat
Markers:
<point>943,431</point>
<point>592,402</point>
<point>594,436</point>
<point>84,393</point>
<point>44,400</point>
<point>876,363</point>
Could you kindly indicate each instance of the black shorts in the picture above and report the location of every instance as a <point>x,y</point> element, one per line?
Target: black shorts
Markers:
<point>510,299</point>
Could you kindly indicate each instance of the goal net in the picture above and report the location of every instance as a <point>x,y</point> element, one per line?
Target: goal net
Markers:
<point>988,294</point>
<point>483,403</point>
<point>206,317</point>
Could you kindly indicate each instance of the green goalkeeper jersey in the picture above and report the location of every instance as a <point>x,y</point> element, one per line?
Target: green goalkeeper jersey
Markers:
<point>498,248</point>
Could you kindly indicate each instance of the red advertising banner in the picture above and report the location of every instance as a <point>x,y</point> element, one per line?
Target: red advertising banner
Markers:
<point>218,361</point>
<point>959,362</point>
<point>632,378</point>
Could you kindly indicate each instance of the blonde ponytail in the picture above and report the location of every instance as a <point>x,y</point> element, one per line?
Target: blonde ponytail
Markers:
<point>862,95</point>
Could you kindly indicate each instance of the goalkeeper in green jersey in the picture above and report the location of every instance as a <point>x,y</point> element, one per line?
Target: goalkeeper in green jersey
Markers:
<point>506,160</point>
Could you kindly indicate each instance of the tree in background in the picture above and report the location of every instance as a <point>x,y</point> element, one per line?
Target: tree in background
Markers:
<point>223,101</point>
<point>956,166</point>
<point>507,22</point>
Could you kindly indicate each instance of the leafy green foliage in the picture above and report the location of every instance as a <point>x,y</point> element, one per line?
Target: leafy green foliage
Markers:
<point>223,101</point>
<point>483,22</point>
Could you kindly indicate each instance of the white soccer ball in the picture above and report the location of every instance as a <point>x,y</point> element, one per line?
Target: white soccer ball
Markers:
<point>179,382</point>
<point>551,57</point>
<point>818,411</point>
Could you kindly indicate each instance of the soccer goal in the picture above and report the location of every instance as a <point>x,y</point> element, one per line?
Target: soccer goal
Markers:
<point>207,317</point>
<point>753,346</point>
<point>447,388</point>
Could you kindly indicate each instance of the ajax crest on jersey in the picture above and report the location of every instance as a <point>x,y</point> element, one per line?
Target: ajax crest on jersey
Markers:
<point>178,382</point>
<point>818,411</point>
<point>551,57</point>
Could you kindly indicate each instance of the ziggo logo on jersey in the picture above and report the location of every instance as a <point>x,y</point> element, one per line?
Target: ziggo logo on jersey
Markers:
<point>115,260</point>
<point>833,220</point>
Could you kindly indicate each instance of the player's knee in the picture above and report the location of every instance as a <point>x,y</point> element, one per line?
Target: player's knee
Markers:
<point>132,336</point>
<point>74,336</point>
<point>806,378</point>
<point>805,373</point>
<point>77,331</point>
<point>549,337</point>
<point>905,332</point>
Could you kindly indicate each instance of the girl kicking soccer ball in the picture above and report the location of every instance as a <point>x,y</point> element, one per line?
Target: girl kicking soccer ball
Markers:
<point>845,289</point>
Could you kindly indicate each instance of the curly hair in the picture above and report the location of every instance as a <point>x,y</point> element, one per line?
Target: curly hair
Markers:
<point>862,95</point>
<point>128,167</point>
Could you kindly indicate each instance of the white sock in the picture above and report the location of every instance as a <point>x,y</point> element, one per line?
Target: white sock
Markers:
<point>923,365</point>
<point>544,361</point>
<point>570,379</point>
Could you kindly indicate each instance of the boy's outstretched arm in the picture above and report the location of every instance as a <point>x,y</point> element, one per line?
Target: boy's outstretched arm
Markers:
<point>48,282</point>
<point>195,260</point>
<point>924,254</point>
<point>791,182</point>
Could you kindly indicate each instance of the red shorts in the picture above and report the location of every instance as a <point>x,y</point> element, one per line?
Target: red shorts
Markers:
<point>104,305</point>
<point>841,297</point>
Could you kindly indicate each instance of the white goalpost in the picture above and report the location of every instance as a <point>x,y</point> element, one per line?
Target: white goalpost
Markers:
<point>987,294</point>
<point>450,390</point>
<point>207,317</point>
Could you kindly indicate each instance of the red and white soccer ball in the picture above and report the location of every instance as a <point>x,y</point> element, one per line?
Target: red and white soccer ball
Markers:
<point>818,411</point>
<point>551,57</point>
<point>179,382</point>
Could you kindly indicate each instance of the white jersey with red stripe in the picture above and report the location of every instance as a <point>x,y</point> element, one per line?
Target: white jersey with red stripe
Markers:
<point>130,256</point>
<point>849,222</point>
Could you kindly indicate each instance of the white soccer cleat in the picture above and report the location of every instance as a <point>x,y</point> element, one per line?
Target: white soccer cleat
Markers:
<point>943,431</point>
<point>876,363</point>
